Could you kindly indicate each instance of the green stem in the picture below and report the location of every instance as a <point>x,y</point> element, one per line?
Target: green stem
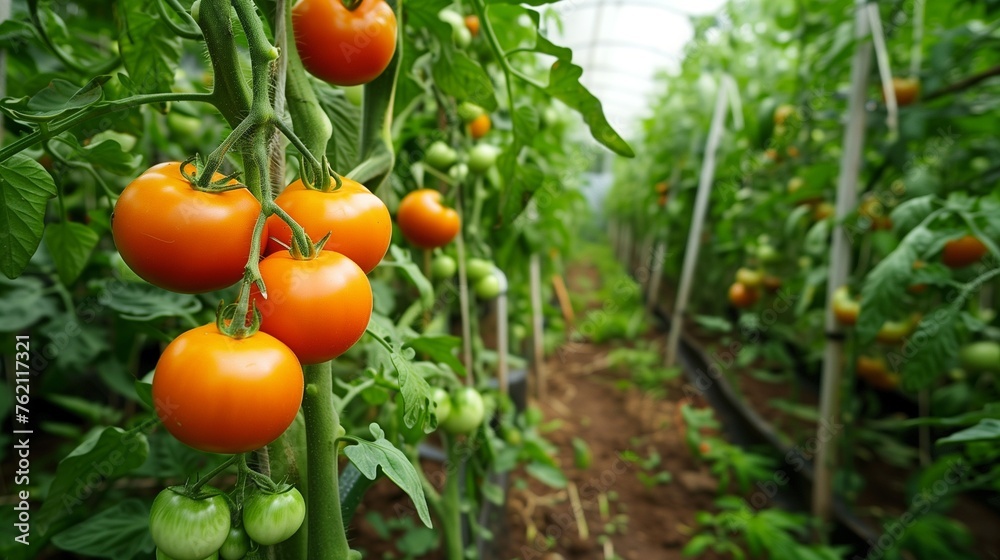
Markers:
<point>229,90</point>
<point>215,472</point>
<point>311,122</point>
<point>51,130</point>
<point>452,505</point>
<point>327,538</point>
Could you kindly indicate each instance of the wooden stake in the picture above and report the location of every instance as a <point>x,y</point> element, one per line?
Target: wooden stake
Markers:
<point>840,257</point>
<point>700,208</point>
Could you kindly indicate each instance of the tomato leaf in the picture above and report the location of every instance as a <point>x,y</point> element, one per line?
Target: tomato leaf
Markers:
<point>23,303</point>
<point>70,245</point>
<point>911,213</point>
<point>57,99</point>
<point>439,349</point>
<point>547,474</point>
<point>410,269</point>
<point>103,456</point>
<point>25,188</point>
<point>150,49</point>
<point>416,394</point>
<point>142,302</point>
<point>888,281</point>
<point>144,391</point>
<point>988,429</point>
<point>461,77</point>
<point>368,456</point>
<point>121,531</point>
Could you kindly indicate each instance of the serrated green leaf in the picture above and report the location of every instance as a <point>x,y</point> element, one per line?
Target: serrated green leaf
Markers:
<point>410,269</point>
<point>23,303</point>
<point>150,49</point>
<point>142,302</point>
<point>25,189</point>
<point>439,349</point>
<point>121,531</point>
<point>987,429</point>
<point>547,474</point>
<point>70,245</point>
<point>461,77</point>
<point>369,456</point>
<point>911,213</point>
<point>105,455</point>
<point>58,98</point>
<point>887,282</point>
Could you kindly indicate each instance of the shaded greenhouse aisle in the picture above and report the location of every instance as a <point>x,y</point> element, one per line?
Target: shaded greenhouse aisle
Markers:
<point>613,505</point>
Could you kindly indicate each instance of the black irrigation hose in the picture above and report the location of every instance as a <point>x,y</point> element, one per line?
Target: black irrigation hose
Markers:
<point>746,428</point>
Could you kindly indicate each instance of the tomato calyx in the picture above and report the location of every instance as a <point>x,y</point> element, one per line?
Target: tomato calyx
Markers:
<point>322,175</point>
<point>204,182</point>
<point>352,5</point>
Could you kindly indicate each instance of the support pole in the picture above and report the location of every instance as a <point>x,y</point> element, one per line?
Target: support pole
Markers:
<point>840,263</point>
<point>700,208</point>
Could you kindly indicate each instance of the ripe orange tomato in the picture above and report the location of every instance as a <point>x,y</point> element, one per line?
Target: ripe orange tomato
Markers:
<point>662,187</point>
<point>823,210</point>
<point>480,126</point>
<point>182,239</point>
<point>772,283</point>
<point>318,307</point>
<point>223,395</point>
<point>359,221</point>
<point>344,47</point>
<point>963,251</point>
<point>472,23</point>
<point>907,90</point>
<point>425,222</point>
<point>742,296</point>
<point>875,372</point>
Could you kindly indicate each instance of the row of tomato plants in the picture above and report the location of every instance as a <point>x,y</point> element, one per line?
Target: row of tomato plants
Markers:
<point>918,314</point>
<point>355,323</point>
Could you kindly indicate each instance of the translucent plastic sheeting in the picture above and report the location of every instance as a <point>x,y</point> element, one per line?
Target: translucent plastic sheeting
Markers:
<point>622,44</point>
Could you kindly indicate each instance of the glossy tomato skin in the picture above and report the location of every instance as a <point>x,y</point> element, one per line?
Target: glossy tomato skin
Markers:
<point>236,545</point>
<point>962,252</point>
<point>358,220</point>
<point>467,412</point>
<point>983,356</point>
<point>343,47</point>
<point>318,307</point>
<point>742,296</point>
<point>182,239</point>
<point>425,222</point>
<point>222,395</point>
<point>480,126</point>
<point>273,518</point>
<point>187,529</point>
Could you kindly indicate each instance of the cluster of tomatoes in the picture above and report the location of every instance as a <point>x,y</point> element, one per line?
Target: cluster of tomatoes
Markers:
<point>745,291</point>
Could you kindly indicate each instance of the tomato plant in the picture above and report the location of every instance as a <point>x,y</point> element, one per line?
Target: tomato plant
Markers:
<point>345,47</point>
<point>425,222</point>
<point>180,238</point>
<point>358,222</point>
<point>319,307</point>
<point>205,382</point>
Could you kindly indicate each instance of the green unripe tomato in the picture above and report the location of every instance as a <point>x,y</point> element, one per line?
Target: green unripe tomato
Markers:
<point>469,111</point>
<point>513,437</point>
<point>273,518</point>
<point>477,269</point>
<point>467,412</point>
<point>237,544</point>
<point>488,287</point>
<point>440,156</point>
<point>461,35</point>
<point>482,157</point>
<point>459,172</point>
<point>519,331</point>
<point>443,267</point>
<point>767,254</point>
<point>983,356</point>
<point>184,528</point>
<point>160,555</point>
<point>443,402</point>
<point>355,94</point>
